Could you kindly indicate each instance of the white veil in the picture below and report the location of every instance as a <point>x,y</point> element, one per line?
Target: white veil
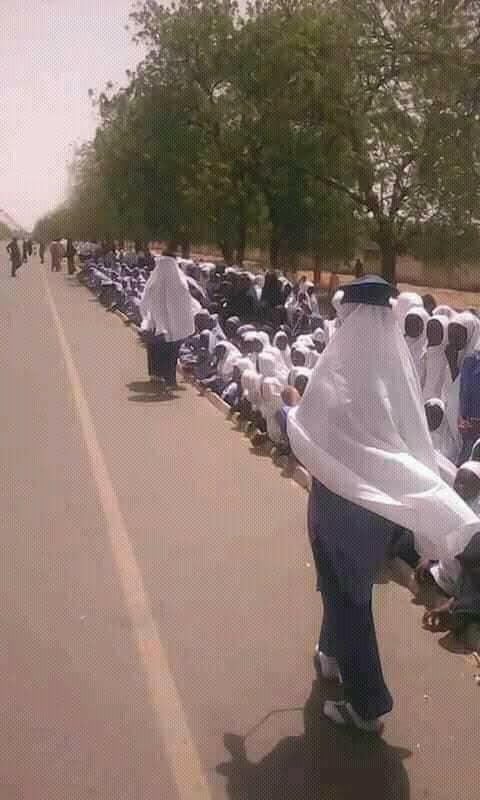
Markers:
<point>361,430</point>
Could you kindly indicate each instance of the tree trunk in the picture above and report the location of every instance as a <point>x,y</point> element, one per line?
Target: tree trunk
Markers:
<point>389,263</point>
<point>242,243</point>
<point>228,252</point>
<point>274,250</point>
<point>317,271</point>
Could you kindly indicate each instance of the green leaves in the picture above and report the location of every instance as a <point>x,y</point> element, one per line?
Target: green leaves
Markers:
<point>315,122</point>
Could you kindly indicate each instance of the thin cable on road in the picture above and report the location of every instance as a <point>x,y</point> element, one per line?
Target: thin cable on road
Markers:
<point>170,716</point>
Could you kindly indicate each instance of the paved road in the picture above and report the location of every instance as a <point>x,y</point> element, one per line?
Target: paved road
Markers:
<point>158,598</point>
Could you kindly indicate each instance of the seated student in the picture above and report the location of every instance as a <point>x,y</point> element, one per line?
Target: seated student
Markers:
<point>442,438</point>
<point>191,346</point>
<point>299,355</point>
<point>435,361</point>
<point>290,399</point>
<point>280,341</point>
<point>226,356</point>
<point>415,329</point>
<point>301,380</point>
<point>457,578</point>
<point>469,422</point>
<point>233,392</point>
<point>319,338</point>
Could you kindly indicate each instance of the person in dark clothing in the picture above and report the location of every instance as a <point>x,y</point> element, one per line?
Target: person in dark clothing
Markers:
<point>359,269</point>
<point>429,303</point>
<point>30,247</point>
<point>71,253</point>
<point>41,252</point>
<point>25,251</point>
<point>272,292</point>
<point>242,303</point>
<point>14,252</point>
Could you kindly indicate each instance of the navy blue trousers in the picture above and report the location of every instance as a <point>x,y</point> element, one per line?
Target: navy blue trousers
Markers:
<point>349,545</point>
<point>348,634</point>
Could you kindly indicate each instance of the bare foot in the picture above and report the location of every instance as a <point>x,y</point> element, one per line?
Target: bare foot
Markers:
<point>441,618</point>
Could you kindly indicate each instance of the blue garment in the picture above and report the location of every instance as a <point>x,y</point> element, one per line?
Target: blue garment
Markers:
<point>349,546</point>
<point>470,387</point>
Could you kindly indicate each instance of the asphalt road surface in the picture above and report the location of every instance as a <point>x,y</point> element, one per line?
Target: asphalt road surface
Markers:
<point>158,604</point>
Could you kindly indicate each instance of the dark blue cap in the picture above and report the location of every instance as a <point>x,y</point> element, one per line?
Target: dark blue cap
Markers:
<point>370,290</point>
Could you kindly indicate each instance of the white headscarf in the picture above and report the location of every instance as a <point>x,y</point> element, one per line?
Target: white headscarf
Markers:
<point>167,301</point>
<point>284,354</point>
<point>252,385</point>
<point>417,346</point>
<point>272,403</point>
<point>361,430</point>
<point>227,362</point>
<point>442,438</point>
<point>405,302</point>
<point>443,311</point>
<point>436,364</point>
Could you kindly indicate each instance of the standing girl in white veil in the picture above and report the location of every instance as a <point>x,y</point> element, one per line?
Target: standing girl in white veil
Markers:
<point>168,314</point>
<point>361,431</point>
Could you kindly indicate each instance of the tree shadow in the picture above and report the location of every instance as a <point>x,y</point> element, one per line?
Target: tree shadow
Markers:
<point>325,763</point>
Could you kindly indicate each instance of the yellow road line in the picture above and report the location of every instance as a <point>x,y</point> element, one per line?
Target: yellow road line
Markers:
<point>170,716</point>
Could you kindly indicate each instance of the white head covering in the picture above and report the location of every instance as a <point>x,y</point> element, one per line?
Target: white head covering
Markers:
<point>336,302</point>
<point>319,335</point>
<point>243,364</point>
<point>436,364</point>
<point>417,346</point>
<point>284,354</point>
<point>267,365</point>
<point>227,362</point>
<point>167,301</point>
<point>404,303</point>
<point>472,466</point>
<point>442,438</point>
<point>443,311</point>
<point>361,430</point>
<point>272,402</point>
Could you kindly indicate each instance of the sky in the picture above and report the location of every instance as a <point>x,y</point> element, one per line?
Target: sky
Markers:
<point>51,53</point>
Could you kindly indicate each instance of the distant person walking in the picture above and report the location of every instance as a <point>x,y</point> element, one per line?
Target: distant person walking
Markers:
<point>25,251</point>
<point>56,254</point>
<point>15,258</point>
<point>30,247</point>
<point>71,253</point>
<point>41,252</point>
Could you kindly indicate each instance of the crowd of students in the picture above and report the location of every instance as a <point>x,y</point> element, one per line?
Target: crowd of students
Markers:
<point>377,394</point>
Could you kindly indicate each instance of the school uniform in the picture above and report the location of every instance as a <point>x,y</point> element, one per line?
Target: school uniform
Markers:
<point>361,431</point>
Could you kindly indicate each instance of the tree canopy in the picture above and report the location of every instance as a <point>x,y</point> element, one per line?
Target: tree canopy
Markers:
<point>310,124</point>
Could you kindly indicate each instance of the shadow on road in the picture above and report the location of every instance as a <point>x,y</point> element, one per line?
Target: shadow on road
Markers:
<point>326,763</point>
<point>148,392</point>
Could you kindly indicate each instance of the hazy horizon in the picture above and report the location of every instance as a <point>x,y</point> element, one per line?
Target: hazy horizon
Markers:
<point>51,53</point>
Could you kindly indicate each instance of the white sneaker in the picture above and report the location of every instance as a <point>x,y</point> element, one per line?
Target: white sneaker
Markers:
<point>327,665</point>
<point>342,713</point>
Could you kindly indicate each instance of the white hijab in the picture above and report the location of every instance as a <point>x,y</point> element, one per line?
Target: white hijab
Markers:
<point>361,430</point>
<point>418,346</point>
<point>227,362</point>
<point>271,404</point>
<point>442,438</point>
<point>284,354</point>
<point>436,364</point>
<point>443,311</point>
<point>167,301</point>
<point>405,302</point>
